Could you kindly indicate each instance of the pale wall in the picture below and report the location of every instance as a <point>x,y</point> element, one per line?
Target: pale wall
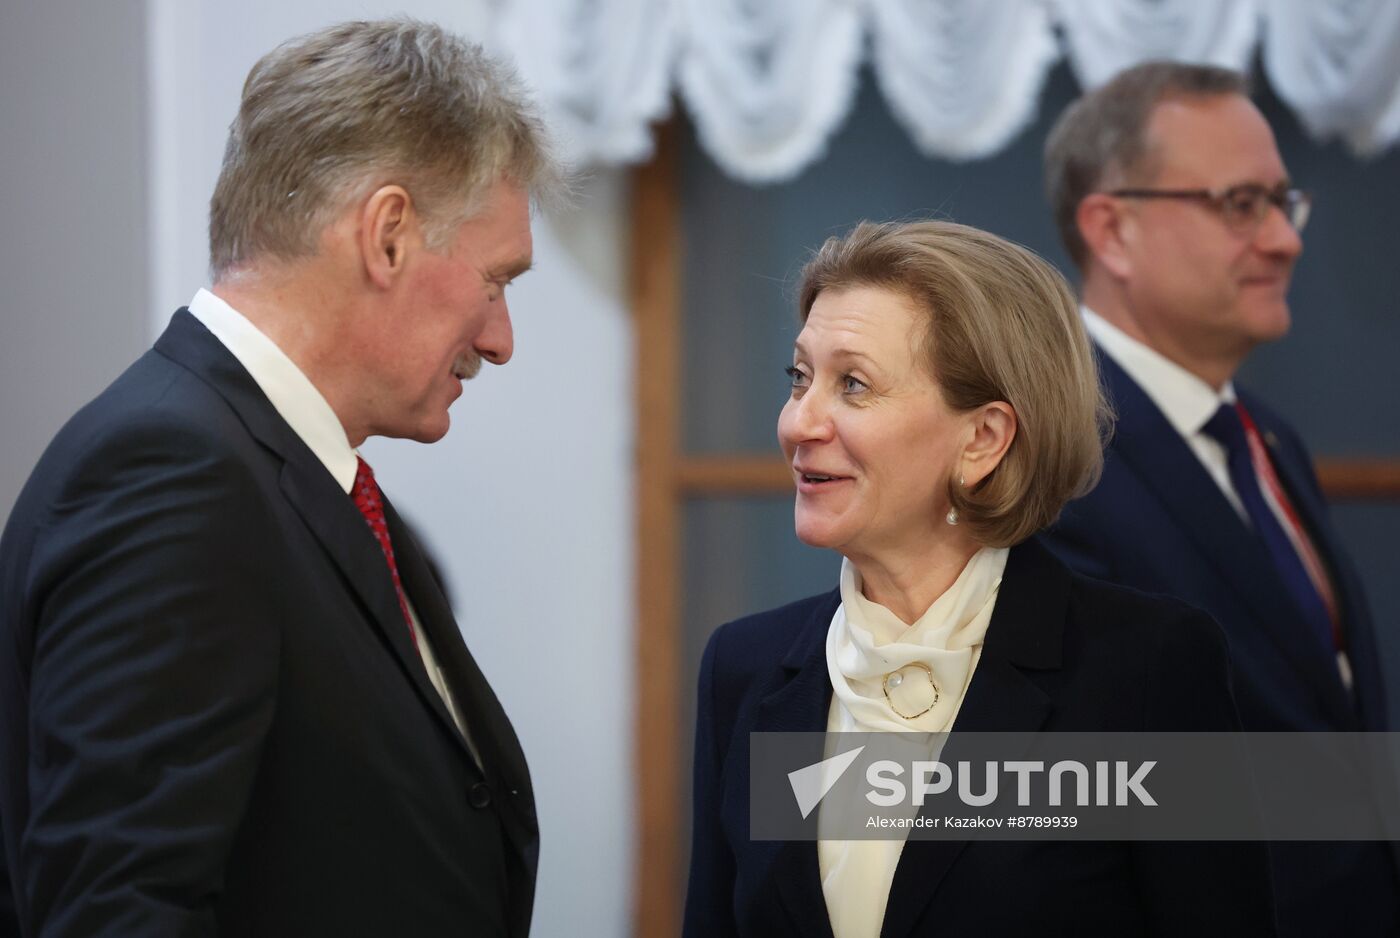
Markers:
<point>73,243</point>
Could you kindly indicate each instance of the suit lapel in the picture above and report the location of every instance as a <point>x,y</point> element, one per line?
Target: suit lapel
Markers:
<point>485,719</point>
<point>800,705</point>
<point>313,493</point>
<point>1152,448</point>
<point>1026,632</point>
<point>331,516</point>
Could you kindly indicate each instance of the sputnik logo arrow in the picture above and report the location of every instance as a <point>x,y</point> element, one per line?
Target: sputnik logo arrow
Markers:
<point>810,784</point>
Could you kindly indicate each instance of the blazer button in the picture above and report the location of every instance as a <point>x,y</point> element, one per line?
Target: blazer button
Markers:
<point>479,795</point>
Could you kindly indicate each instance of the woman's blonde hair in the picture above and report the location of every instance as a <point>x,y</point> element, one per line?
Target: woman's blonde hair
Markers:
<point>1002,325</point>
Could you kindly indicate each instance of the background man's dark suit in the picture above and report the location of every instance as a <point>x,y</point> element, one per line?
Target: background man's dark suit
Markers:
<point>1062,653</point>
<point>216,719</point>
<point>1158,522</point>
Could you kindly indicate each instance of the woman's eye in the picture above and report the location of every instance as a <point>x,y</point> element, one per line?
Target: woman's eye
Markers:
<point>851,385</point>
<point>795,375</point>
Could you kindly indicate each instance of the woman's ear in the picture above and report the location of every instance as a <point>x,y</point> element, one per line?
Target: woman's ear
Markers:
<point>993,429</point>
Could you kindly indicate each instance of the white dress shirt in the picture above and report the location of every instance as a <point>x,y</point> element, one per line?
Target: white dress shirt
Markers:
<point>311,418</point>
<point>1185,400</point>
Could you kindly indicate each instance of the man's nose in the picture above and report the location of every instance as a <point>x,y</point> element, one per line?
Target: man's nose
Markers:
<point>497,341</point>
<point>1277,236</point>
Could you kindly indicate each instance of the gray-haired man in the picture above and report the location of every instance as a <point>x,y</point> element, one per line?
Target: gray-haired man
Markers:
<point>235,700</point>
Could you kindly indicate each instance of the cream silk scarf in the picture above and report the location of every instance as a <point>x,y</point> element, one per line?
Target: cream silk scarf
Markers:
<point>881,668</point>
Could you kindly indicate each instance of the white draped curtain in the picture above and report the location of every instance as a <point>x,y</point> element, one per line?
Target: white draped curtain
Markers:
<point>767,82</point>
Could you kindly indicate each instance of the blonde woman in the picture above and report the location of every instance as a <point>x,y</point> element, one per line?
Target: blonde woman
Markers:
<point>944,407</point>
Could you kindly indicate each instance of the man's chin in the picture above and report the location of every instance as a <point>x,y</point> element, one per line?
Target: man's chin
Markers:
<point>433,434</point>
<point>426,431</point>
<point>1272,325</point>
<point>1264,321</point>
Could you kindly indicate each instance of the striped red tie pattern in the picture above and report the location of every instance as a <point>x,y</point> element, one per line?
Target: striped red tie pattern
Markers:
<point>1297,534</point>
<point>368,499</point>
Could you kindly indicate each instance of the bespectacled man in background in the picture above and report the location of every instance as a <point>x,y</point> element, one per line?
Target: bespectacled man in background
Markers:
<point>1172,199</point>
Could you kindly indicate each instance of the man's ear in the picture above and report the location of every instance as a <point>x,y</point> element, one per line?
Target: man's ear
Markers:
<point>388,223</point>
<point>1106,230</point>
<point>993,429</point>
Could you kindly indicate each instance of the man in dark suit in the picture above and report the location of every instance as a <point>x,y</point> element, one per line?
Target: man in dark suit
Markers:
<point>1172,199</point>
<point>234,698</point>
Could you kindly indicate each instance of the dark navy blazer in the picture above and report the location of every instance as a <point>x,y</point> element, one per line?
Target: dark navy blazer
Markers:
<point>1062,653</point>
<point>212,716</point>
<point>1159,523</point>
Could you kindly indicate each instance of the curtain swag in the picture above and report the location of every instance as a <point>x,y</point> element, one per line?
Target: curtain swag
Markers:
<point>767,82</point>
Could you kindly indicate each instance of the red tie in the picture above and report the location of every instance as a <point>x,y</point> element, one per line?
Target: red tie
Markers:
<point>371,504</point>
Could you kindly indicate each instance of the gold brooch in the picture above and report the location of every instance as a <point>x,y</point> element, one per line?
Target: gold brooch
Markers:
<point>896,679</point>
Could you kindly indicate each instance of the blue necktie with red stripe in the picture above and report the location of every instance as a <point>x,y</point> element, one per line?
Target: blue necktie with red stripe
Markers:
<point>1227,428</point>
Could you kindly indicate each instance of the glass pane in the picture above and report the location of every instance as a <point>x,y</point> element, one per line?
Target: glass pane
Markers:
<point>739,556</point>
<point>745,246</point>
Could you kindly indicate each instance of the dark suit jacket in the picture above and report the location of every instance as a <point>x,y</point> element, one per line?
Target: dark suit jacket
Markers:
<point>1158,522</point>
<point>1062,653</point>
<point>214,719</point>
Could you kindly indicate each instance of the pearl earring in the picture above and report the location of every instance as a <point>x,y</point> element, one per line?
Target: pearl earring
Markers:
<point>952,517</point>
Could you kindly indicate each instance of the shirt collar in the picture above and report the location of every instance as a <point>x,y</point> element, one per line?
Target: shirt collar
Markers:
<point>1184,399</point>
<point>290,392</point>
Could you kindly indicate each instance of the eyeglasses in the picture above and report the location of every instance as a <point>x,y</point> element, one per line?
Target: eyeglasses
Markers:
<point>1243,207</point>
